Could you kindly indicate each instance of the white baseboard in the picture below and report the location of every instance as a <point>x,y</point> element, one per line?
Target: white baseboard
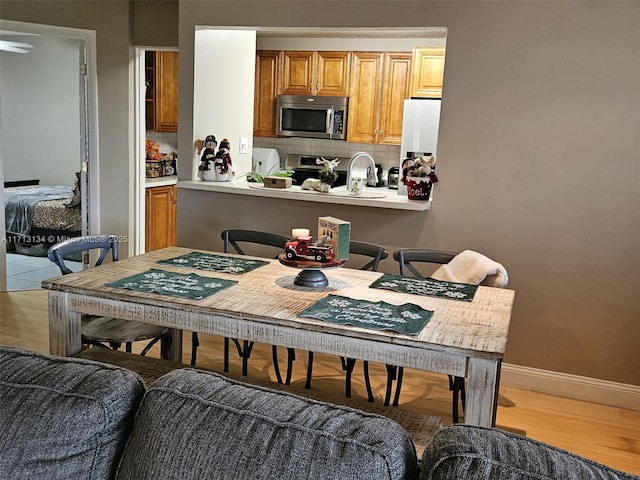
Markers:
<point>571,386</point>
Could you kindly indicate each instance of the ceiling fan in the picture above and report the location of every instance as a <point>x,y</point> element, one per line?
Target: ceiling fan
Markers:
<point>15,47</point>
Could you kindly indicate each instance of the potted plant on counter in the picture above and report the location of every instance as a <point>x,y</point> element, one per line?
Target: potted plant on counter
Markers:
<point>419,175</point>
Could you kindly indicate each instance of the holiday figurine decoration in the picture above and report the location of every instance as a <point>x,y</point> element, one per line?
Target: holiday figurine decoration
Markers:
<point>215,166</point>
<point>206,170</point>
<point>304,248</point>
<point>337,234</point>
<point>327,176</point>
<point>419,175</point>
<point>225,170</point>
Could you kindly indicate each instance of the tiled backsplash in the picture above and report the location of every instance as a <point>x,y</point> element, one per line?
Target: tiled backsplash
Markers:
<point>168,141</point>
<point>385,155</point>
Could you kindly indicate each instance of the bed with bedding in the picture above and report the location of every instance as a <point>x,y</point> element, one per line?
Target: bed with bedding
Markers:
<point>40,215</point>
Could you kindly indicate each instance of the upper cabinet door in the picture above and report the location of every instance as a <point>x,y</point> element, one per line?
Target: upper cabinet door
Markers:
<point>316,73</point>
<point>266,91</point>
<point>364,98</point>
<point>395,89</point>
<point>332,73</point>
<point>166,91</point>
<point>428,72</point>
<point>298,72</point>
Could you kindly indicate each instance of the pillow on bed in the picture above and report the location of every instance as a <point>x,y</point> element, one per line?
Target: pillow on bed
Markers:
<point>74,198</point>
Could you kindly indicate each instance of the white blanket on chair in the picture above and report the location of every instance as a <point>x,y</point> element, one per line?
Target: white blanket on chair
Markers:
<point>474,268</point>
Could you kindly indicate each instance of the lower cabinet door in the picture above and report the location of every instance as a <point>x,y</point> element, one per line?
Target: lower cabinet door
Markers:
<point>161,211</point>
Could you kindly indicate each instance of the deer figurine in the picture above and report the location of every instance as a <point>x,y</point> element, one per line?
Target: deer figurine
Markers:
<point>327,176</point>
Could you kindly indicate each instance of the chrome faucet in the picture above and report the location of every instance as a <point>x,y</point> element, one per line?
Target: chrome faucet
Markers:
<point>352,161</point>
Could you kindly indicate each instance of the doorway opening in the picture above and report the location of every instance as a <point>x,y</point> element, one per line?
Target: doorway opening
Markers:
<point>48,128</point>
<point>156,139</point>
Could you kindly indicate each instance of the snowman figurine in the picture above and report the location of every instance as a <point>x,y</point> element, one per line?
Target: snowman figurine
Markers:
<point>206,170</point>
<point>224,168</point>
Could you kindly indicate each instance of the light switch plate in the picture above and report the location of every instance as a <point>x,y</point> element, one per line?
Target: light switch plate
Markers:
<point>244,144</point>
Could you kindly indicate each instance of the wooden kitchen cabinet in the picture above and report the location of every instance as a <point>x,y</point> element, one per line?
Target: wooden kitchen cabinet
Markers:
<point>395,90</point>
<point>267,88</point>
<point>332,73</point>
<point>298,72</point>
<point>150,86</point>
<point>161,75</point>
<point>377,83</point>
<point>161,213</point>
<point>380,83</point>
<point>364,97</point>
<point>295,73</point>
<point>316,73</point>
<point>428,72</point>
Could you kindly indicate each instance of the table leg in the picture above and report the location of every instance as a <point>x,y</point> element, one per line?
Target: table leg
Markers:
<point>64,326</point>
<point>175,349</point>
<point>482,384</point>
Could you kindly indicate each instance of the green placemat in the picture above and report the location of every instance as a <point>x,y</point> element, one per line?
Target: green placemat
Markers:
<point>426,286</point>
<point>407,319</point>
<point>215,263</point>
<point>173,284</point>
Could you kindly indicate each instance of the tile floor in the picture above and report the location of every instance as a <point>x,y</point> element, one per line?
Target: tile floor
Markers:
<point>25,272</point>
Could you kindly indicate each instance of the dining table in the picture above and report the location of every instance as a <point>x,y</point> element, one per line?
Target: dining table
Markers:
<point>256,299</point>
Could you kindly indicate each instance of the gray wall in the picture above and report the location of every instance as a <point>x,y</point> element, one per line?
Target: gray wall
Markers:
<point>538,161</point>
<point>154,23</point>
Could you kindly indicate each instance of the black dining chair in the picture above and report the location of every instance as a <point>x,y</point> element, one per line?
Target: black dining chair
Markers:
<point>240,240</point>
<point>406,259</point>
<point>102,331</point>
<point>373,254</point>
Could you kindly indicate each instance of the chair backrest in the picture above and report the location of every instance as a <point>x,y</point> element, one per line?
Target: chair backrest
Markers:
<point>232,237</point>
<point>404,258</point>
<point>375,252</point>
<point>106,243</point>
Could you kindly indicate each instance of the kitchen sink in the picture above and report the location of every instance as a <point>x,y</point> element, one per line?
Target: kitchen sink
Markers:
<point>334,192</point>
<point>342,192</point>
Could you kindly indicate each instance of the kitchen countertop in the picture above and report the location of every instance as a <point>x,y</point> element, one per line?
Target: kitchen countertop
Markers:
<point>160,181</point>
<point>372,197</point>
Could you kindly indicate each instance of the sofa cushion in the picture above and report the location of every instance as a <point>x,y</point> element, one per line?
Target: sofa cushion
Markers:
<point>463,451</point>
<point>63,418</point>
<point>194,424</point>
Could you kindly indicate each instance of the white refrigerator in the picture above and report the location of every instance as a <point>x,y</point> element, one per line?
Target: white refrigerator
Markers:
<point>420,125</point>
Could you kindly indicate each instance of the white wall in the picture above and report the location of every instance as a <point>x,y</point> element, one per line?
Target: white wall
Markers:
<point>40,111</point>
<point>223,79</point>
<point>348,44</point>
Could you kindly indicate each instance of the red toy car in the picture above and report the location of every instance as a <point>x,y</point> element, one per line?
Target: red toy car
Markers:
<point>305,248</point>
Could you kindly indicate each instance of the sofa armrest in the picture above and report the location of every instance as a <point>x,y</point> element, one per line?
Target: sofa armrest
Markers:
<point>63,417</point>
<point>464,451</point>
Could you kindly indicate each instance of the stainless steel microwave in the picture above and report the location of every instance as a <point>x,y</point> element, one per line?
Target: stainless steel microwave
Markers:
<point>312,116</point>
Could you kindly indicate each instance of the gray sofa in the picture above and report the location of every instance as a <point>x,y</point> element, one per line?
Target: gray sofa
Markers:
<point>63,418</point>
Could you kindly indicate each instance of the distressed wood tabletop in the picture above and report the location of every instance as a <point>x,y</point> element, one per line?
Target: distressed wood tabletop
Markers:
<point>462,338</point>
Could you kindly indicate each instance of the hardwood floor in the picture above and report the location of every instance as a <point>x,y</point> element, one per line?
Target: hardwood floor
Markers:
<point>605,434</point>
